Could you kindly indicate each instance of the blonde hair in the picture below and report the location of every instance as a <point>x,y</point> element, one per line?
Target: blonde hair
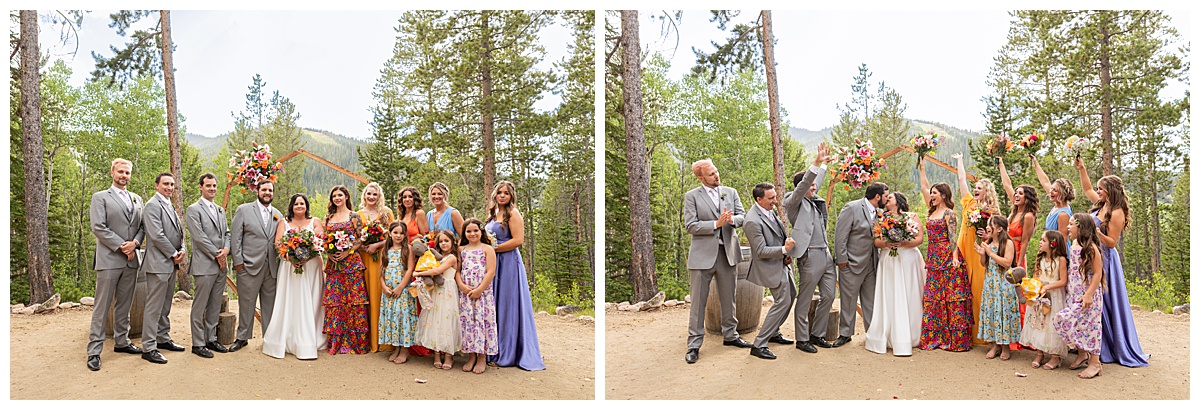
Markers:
<point>379,203</point>
<point>444,188</point>
<point>698,166</point>
<point>989,196</point>
<point>120,161</point>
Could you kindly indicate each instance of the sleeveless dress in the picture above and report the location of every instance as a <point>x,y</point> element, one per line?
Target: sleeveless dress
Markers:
<point>1052,219</point>
<point>1015,231</point>
<point>397,315</point>
<point>445,221</point>
<point>438,325</point>
<point>1079,327</point>
<point>477,317</point>
<point>371,279</point>
<point>999,321</point>
<point>296,327</point>
<point>896,321</point>
<point>345,299</point>
<point>1038,331</point>
<point>975,270</point>
<point>1121,344</point>
<point>514,308</point>
<point>946,322</point>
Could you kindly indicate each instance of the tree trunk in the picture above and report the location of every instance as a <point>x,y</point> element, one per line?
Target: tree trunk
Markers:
<point>185,281</point>
<point>489,138</point>
<point>41,281</point>
<point>1106,108</point>
<point>645,282</point>
<point>773,105</point>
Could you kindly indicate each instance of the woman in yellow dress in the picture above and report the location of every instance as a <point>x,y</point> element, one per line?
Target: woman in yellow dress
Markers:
<point>372,210</point>
<point>983,196</point>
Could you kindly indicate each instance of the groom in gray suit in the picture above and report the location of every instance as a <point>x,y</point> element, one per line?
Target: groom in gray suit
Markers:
<point>164,253</point>
<point>116,219</point>
<point>255,261</point>
<point>208,264</point>
<point>809,216</point>
<point>711,213</point>
<point>857,258</point>
<point>769,266</point>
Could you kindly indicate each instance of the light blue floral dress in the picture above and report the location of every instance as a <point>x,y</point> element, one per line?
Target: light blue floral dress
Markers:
<point>999,318</point>
<point>397,315</point>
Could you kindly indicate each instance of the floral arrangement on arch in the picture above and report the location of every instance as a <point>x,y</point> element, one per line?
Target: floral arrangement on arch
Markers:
<point>859,164</point>
<point>253,166</point>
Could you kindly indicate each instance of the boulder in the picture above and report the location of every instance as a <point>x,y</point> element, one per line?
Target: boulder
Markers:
<point>671,303</point>
<point>66,305</point>
<point>27,310</point>
<point>587,319</point>
<point>183,295</point>
<point>633,308</point>
<point>87,301</point>
<point>623,305</point>
<point>1185,308</point>
<point>609,306</point>
<point>567,310</point>
<point>657,300</point>
<point>687,299</point>
<point>49,304</point>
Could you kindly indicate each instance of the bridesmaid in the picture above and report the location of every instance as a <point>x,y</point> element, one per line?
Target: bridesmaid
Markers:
<point>518,340</point>
<point>946,322</point>
<point>1111,211</point>
<point>1061,194</point>
<point>443,216</point>
<point>408,204</point>
<point>983,196</point>
<point>345,296</point>
<point>1023,216</point>
<point>372,210</point>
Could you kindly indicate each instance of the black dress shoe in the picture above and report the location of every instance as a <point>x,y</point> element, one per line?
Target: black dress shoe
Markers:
<point>216,347</point>
<point>170,345</point>
<point>154,356</point>
<point>237,344</point>
<point>738,343</point>
<point>202,352</point>
<point>762,352</point>
<point>94,362</point>
<point>778,338</point>
<point>841,340</point>
<point>131,349</point>
<point>820,342</point>
<point>692,355</point>
<point>806,347</point>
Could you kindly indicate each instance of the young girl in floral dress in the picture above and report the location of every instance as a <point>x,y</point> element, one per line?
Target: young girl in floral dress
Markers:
<point>1038,331</point>
<point>398,310</point>
<point>476,299</point>
<point>438,326</point>
<point>1079,323</point>
<point>999,320</point>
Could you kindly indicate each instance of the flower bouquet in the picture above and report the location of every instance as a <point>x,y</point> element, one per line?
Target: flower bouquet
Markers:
<point>298,247</point>
<point>254,166</point>
<point>978,218</point>
<point>925,145</point>
<point>372,234</point>
<point>1078,145</point>
<point>895,229</point>
<point>338,241</point>
<point>999,146</point>
<point>859,165</point>
<point>1032,143</point>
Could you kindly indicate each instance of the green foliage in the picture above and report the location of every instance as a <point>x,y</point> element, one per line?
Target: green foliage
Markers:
<point>1156,293</point>
<point>271,122</point>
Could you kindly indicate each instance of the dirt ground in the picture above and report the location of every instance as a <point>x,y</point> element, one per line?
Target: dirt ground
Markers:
<point>644,360</point>
<point>48,361</point>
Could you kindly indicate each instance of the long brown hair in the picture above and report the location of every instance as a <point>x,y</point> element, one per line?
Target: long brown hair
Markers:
<point>483,235</point>
<point>493,207</point>
<point>1057,248</point>
<point>1029,206</point>
<point>388,243</point>
<point>416,198</point>
<point>333,207</point>
<point>1086,237</point>
<point>947,196</point>
<point>1116,199</point>
<point>453,242</point>
<point>1000,227</point>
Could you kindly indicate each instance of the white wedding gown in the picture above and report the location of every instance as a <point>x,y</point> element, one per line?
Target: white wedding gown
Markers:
<point>299,314</point>
<point>896,321</point>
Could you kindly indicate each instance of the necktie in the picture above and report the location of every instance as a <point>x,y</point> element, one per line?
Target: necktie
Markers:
<point>265,214</point>
<point>212,208</point>
<point>128,201</point>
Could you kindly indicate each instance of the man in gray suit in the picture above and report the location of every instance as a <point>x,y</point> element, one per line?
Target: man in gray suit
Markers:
<point>769,266</point>
<point>711,213</point>
<point>116,219</point>
<point>255,261</point>
<point>857,258</point>
<point>164,253</point>
<point>809,217</point>
<point>208,264</point>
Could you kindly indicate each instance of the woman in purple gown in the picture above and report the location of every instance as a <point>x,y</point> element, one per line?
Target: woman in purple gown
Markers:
<point>514,307</point>
<point>1119,337</point>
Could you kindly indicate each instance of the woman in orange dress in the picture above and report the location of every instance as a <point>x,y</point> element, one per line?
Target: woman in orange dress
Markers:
<point>1024,214</point>
<point>982,196</point>
<point>373,211</point>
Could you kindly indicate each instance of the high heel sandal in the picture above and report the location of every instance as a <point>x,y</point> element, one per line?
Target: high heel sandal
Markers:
<point>1080,362</point>
<point>1099,371</point>
<point>1037,360</point>
<point>1050,365</point>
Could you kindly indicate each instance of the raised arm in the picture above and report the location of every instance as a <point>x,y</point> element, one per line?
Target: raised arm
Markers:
<point>963,187</point>
<point>1004,180</point>
<point>1086,182</point>
<point>1041,175</point>
<point>924,183</point>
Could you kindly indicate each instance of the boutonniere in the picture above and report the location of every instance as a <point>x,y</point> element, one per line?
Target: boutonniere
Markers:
<point>722,196</point>
<point>275,217</point>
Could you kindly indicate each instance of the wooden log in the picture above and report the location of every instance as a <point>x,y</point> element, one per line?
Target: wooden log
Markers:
<point>227,328</point>
<point>747,301</point>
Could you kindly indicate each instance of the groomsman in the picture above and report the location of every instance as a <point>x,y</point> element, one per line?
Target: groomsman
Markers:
<point>857,258</point>
<point>208,264</point>
<point>255,261</point>
<point>809,216</point>
<point>116,219</point>
<point>769,266</point>
<point>164,253</point>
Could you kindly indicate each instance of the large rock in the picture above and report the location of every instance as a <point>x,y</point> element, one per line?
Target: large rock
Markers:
<point>1184,308</point>
<point>657,300</point>
<point>567,310</point>
<point>66,305</point>
<point>635,308</point>
<point>687,299</point>
<point>623,305</point>
<point>87,301</point>
<point>49,304</point>
<point>183,295</point>
<point>28,310</point>
<point>609,306</point>
<point>671,303</point>
<point>17,308</point>
<point>587,319</point>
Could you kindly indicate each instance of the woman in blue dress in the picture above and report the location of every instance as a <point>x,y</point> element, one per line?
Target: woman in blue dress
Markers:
<point>1061,194</point>
<point>443,216</point>
<point>518,340</point>
<point>1119,339</point>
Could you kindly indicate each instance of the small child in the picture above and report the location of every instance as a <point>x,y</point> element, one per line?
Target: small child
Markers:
<point>1079,323</point>
<point>999,320</point>
<point>477,300</point>
<point>438,325</point>
<point>1051,266</point>
<point>397,312</point>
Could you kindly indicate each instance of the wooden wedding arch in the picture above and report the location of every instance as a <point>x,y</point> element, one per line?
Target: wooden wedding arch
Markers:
<point>932,160</point>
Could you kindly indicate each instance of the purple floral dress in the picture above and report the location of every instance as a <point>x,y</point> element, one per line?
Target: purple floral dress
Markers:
<point>477,316</point>
<point>1080,327</point>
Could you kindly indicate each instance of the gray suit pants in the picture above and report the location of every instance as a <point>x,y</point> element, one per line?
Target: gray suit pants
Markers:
<point>112,286</point>
<point>816,269</point>
<point>784,295</point>
<point>252,288</point>
<point>206,308</point>
<point>726,276</point>
<point>156,324</point>
<point>857,288</point>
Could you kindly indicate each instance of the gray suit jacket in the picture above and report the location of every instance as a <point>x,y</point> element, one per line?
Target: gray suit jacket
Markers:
<point>809,216</point>
<point>766,238</point>
<point>252,243</point>
<point>113,224</point>
<point>164,236</point>
<point>853,237</point>
<point>700,219</point>
<point>210,234</point>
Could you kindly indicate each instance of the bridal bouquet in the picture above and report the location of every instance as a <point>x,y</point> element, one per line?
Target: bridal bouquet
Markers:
<point>372,234</point>
<point>338,241</point>
<point>895,229</point>
<point>1078,145</point>
<point>254,166</point>
<point>859,165</point>
<point>925,145</point>
<point>999,145</point>
<point>978,218</point>
<point>298,247</point>
<point>1032,143</point>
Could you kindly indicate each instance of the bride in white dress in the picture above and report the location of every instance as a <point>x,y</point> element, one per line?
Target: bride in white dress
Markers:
<point>299,314</point>
<point>899,281</point>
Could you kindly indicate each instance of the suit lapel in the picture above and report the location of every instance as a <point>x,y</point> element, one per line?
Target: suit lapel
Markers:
<point>121,203</point>
<point>869,211</point>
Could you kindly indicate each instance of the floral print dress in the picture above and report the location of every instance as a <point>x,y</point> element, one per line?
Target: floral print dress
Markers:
<point>397,315</point>
<point>999,319</point>
<point>345,298</point>
<point>946,323</point>
<point>477,317</point>
<point>1079,327</point>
